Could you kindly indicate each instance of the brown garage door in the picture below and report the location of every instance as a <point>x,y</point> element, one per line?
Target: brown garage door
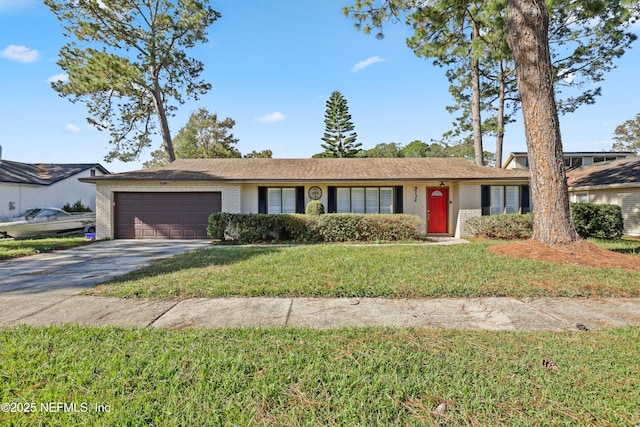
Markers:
<point>164,215</point>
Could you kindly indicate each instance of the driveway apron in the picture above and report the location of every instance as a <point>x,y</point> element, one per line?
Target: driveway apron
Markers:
<point>35,284</point>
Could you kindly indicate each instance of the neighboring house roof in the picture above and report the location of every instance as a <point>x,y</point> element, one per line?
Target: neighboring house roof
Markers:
<point>515,154</point>
<point>317,169</point>
<point>617,172</point>
<point>42,173</point>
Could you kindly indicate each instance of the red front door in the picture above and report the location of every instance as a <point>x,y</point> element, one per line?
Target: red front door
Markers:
<point>437,208</point>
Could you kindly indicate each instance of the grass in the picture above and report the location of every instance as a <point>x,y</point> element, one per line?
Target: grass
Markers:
<point>19,248</point>
<point>627,245</point>
<point>390,271</point>
<point>309,377</point>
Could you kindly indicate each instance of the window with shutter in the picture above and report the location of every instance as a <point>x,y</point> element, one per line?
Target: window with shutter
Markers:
<point>499,199</point>
<point>369,200</point>
<point>280,200</point>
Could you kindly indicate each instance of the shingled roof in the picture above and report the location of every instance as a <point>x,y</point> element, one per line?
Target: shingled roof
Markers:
<point>41,173</point>
<point>317,170</point>
<point>617,172</point>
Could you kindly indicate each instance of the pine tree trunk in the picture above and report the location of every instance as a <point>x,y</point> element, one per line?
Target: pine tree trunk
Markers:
<point>500,119</point>
<point>475,104</point>
<point>527,28</point>
<point>167,143</point>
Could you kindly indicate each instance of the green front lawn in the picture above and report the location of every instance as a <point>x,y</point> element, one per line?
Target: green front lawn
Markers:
<point>288,376</point>
<point>393,271</point>
<point>626,245</point>
<point>18,248</point>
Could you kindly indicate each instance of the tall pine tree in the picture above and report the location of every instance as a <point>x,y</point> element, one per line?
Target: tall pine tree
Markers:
<point>339,138</point>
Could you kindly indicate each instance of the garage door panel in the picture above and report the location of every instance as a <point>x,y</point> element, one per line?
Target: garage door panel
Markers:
<point>164,215</point>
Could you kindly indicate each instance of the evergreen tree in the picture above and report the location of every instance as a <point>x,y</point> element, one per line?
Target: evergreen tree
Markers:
<point>127,60</point>
<point>206,137</point>
<point>627,136</point>
<point>339,138</point>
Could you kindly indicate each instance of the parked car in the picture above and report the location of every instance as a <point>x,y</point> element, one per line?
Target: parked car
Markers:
<point>47,221</point>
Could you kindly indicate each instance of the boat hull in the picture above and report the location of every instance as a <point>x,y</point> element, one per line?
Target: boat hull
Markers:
<point>33,228</point>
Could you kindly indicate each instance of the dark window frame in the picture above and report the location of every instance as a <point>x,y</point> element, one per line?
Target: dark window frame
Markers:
<point>524,195</point>
<point>263,203</point>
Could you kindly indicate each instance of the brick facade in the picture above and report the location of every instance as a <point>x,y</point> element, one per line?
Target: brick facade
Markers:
<point>469,205</point>
<point>231,199</point>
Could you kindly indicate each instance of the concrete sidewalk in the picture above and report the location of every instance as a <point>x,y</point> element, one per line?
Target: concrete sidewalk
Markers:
<point>553,314</point>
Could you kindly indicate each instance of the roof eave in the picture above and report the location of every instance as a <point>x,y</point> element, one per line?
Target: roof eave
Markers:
<point>106,179</point>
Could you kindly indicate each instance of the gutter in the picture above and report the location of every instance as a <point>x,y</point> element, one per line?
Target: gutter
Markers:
<point>604,186</point>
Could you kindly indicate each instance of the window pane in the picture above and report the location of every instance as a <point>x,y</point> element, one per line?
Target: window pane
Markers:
<point>497,199</point>
<point>344,200</point>
<point>274,200</point>
<point>357,200</point>
<point>386,200</point>
<point>372,205</point>
<point>512,199</point>
<point>288,200</point>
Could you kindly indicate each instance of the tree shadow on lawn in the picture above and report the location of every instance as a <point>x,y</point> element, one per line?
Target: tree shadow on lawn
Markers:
<point>196,259</point>
<point>629,251</point>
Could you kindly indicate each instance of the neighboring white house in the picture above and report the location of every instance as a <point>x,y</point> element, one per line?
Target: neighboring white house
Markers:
<point>520,160</point>
<point>30,185</point>
<point>175,201</point>
<point>616,182</point>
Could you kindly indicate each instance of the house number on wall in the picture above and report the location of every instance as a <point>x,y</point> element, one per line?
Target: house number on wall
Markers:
<point>315,193</point>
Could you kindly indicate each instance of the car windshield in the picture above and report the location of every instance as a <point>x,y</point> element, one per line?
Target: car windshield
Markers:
<point>30,213</point>
<point>50,213</point>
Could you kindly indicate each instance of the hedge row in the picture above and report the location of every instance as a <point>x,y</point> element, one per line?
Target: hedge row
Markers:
<point>590,220</point>
<point>599,221</point>
<point>252,228</point>
<point>507,227</point>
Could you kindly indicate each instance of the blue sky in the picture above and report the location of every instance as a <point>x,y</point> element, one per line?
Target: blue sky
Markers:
<point>273,65</point>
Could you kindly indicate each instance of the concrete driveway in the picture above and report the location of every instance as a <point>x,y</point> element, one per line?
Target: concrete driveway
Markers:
<point>70,271</point>
<point>43,289</point>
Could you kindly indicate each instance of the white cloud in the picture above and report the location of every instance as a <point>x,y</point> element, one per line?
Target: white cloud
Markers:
<point>58,78</point>
<point>272,117</point>
<point>567,76</point>
<point>14,4</point>
<point>367,62</point>
<point>72,128</point>
<point>20,54</point>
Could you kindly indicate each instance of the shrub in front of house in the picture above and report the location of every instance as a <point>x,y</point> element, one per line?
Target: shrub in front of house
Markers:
<point>253,228</point>
<point>599,221</point>
<point>298,228</point>
<point>364,228</point>
<point>314,207</point>
<point>506,227</point>
<point>590,220</point>
<point>216,224</point>
<point>242,227</point>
